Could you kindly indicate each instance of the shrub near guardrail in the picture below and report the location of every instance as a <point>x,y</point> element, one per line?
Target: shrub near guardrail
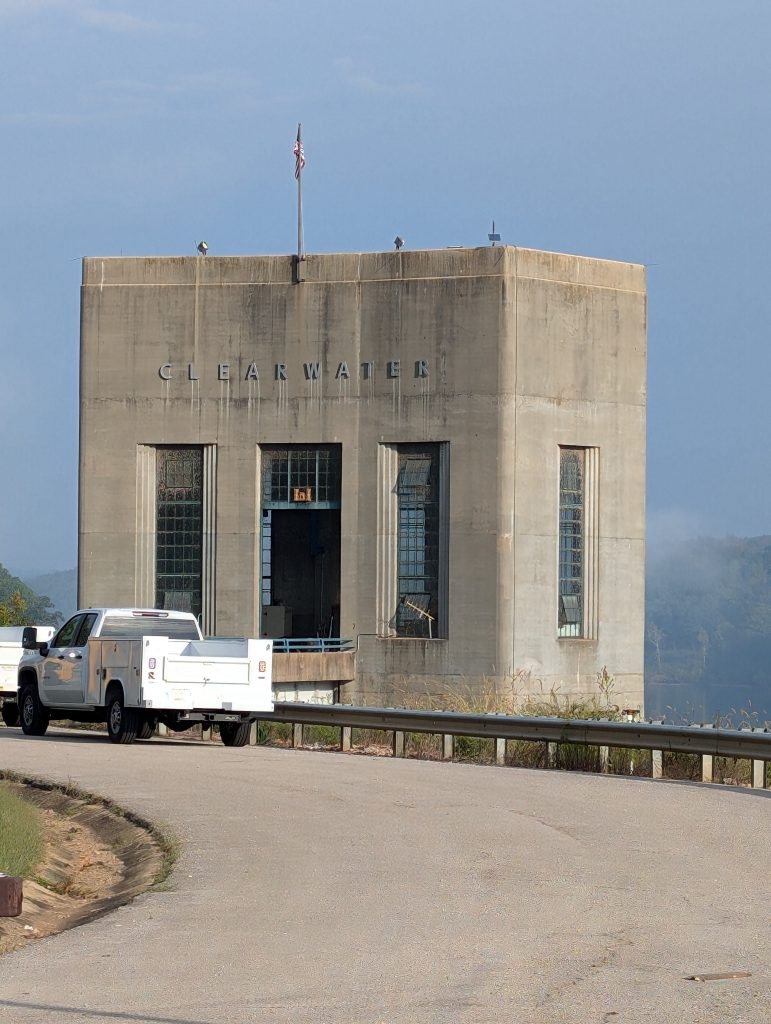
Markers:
<point>580,755</point>
<point>515,697</point>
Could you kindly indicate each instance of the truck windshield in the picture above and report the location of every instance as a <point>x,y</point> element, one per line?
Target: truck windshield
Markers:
<point>129,626</point>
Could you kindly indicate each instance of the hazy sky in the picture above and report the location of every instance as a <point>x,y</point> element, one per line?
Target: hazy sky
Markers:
<point>610,128</point>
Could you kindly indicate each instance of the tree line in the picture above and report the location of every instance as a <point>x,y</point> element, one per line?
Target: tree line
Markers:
<point>21,606</point>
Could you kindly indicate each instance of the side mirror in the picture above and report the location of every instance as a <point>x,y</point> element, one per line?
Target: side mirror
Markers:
<point>29,638</point>
<point>44,649</point>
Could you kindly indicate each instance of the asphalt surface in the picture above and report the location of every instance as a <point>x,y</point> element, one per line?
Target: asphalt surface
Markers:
<point>328,888</point>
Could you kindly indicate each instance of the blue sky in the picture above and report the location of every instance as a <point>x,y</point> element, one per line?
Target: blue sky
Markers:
<point>609,128</point>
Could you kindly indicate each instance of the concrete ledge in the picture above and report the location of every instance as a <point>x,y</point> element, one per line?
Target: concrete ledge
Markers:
<point>314,667</point>
<point>337,268</point>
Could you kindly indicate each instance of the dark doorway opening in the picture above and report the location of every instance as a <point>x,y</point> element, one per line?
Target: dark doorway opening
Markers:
<point>300,571</point>
<point>305,577</point>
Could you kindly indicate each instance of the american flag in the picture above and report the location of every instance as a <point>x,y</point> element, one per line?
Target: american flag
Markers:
<point>299,156</point>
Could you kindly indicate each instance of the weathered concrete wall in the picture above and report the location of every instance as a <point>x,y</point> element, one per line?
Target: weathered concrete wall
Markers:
<point>526,351</point>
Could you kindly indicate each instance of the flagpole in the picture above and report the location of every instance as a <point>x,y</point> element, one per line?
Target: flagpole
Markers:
<point>300,253</point>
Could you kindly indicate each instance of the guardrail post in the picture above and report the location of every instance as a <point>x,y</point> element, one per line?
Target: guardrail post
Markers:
<point>707,768</point>
<point>254,732</point>
<point>297,734</point>
<point>163,730</point>
<point>448,746</point>
<point>345,738</point>
<point>657,764</point>
<point>605,760</point>
<point>500,751</point>
<point>759,770</point>
<point>551,755</point>
<point>398,743</point>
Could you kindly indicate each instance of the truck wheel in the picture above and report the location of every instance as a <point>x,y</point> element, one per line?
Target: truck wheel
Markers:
<point>122,722</point>
<point>235,734</point>
<point>146,729</point>
<point>34,717</point>
<point>10,713</point>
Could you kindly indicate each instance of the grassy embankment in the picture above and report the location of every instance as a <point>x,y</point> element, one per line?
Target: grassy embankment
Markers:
<point>21,837</point>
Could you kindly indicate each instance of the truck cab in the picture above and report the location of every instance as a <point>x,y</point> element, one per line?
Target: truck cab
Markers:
<point>63,663</point>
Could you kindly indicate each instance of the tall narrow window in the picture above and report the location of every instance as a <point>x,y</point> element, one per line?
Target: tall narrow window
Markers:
<point>418,541</point>
<point>579,543</point>
<point>179,529</point>
<point>413,547</point>
<point>571,542</point>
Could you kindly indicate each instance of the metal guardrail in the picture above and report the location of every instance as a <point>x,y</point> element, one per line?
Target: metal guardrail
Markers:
<point>706,741</point>
<point>302,645</point>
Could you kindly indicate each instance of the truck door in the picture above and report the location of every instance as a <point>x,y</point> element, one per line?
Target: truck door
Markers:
<point>66,671</point>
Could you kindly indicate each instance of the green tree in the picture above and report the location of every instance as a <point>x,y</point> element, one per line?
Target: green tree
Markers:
<point>14,611</point>
<point>38,609</point>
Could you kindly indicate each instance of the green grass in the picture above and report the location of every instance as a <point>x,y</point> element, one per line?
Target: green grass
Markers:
<point>21,838</point>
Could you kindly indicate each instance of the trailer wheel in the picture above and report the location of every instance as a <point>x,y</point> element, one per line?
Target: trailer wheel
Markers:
<point>146,729</point>
<point>10,713</point>
<point>235,734</point>
<point>122,722</point>
<point>34,717</point>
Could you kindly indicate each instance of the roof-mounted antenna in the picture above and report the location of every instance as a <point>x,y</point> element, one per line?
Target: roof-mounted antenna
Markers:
<point>493,236</point>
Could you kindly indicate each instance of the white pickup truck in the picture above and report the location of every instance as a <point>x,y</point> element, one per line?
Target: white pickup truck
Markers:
<point>134,668</point>
<point>11,652</point>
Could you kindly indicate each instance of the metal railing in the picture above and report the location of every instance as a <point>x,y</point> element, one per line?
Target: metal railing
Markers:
<point>707,741</point>
<point>303,645</point>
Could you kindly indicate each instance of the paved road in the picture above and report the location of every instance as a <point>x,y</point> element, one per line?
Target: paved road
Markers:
<point>332,888</point>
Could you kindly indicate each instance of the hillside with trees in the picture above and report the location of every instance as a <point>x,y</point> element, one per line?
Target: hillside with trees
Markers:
<point>20,605</point>
<point>61,587</point>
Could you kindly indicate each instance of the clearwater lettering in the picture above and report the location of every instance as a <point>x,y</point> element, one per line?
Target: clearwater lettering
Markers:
<point>311,371</point>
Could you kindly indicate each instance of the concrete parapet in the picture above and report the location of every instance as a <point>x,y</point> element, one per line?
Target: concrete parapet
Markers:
<point>314,667</point>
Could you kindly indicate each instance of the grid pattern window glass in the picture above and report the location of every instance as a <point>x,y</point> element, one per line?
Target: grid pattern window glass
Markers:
<point>313,470</point>
<point>417,490</point>
<point>267,571</point>
<point>179,529</point>
<point>570,620</point>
